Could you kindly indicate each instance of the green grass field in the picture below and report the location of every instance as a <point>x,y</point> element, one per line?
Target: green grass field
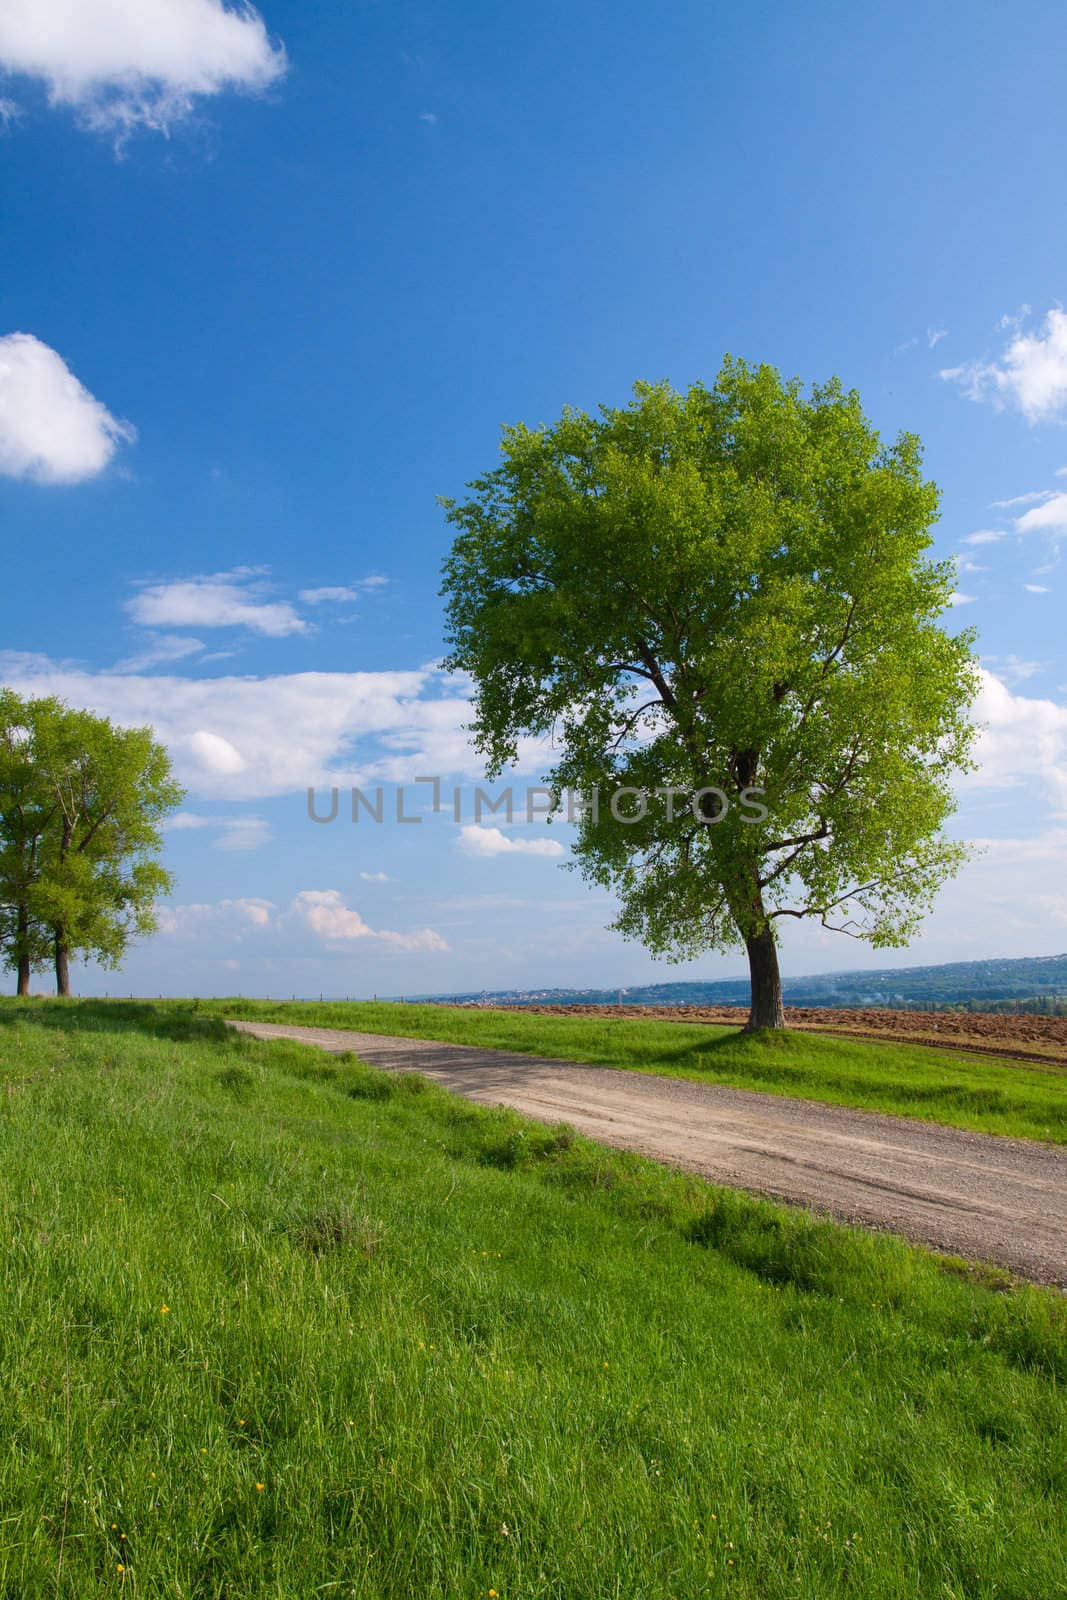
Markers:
<point>275,1325</point>
<point>976,1092</point>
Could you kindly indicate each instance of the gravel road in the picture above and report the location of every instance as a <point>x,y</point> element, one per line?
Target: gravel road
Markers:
<point>970,1194</point>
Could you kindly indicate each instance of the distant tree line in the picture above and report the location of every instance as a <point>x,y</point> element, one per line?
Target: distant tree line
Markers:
<point>1041,1005</point>
<point>1027,985</point>
<point>81,807</point>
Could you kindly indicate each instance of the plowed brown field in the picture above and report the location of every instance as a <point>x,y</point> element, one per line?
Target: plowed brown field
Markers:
<point>1041,1040</point>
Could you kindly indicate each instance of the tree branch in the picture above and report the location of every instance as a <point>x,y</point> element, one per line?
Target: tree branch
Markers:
<point>798,839</point>
<point>666,693</point>
<point>823,911</point>
<point>628,724</point>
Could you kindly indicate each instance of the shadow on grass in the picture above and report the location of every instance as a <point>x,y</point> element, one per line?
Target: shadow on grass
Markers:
<point>176,1020</point>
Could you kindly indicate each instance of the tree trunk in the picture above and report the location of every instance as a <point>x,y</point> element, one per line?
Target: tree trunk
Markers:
<point>62,963</point>
<point>23,950</point>
<point>767,1010</point>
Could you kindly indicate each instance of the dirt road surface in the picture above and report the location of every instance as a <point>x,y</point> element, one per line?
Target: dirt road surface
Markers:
<point>970,1194</point>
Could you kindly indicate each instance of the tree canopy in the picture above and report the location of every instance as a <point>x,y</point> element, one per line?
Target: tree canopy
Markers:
<point>721,601</point>
<point>81,804</point>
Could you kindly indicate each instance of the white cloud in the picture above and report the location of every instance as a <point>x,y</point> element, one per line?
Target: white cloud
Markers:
<point>375,877</point>
<point>959,599</point>
<point>214,755</point>
<point>242,832</point>
<point>325,913</point>
<point>52,430</point>
<point>240,738</point>
<point>1005,902</point>
<point>1023,745</point>
<point>1031,373</point>
<point>215,600</point>
<point>320,912</point>
<point>125,64</point>
<point>9,114</point>
<point>934,337</point>
<point>476,841</point>
<point>1036,588</point>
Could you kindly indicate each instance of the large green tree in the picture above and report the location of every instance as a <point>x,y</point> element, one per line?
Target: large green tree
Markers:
<point>81,806</point>
<point>722,602</point>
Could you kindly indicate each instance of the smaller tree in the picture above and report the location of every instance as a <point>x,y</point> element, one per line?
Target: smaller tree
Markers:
<point>80,829</point>
<point>25,813</point>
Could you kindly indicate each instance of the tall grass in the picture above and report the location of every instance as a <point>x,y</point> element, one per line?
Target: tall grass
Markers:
<point>276,1325</point>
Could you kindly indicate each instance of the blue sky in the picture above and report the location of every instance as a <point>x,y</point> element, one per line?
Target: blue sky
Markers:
<point>279,279</point>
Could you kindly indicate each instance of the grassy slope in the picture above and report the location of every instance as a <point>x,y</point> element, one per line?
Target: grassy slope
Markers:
<point>413,1347</point>
<point>905,1080</point>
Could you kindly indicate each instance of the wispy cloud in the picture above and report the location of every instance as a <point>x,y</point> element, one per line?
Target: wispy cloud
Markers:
<point>239,832</point>
<point>52,430</point>
<point>162,650</point>
<point>1027,499</point>
<point>1014,669</point>
<point>232,920</point>
<point>340,593</point>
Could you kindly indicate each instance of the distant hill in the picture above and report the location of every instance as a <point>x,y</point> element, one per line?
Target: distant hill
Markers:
<point>1034,983</point>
